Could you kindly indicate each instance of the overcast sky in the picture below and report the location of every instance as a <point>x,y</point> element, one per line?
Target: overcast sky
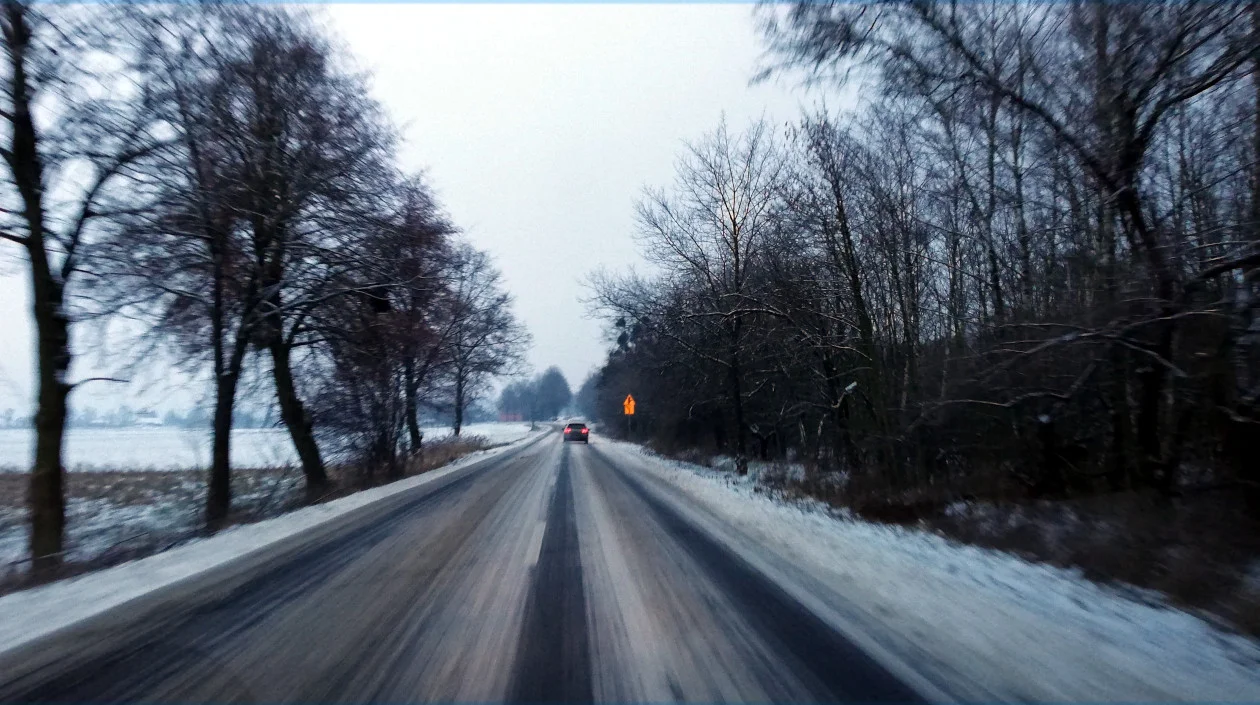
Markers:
<point>538,126</point>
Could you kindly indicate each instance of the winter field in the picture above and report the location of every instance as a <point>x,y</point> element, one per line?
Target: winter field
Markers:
<point>172,448</point>
<point>135,491</point>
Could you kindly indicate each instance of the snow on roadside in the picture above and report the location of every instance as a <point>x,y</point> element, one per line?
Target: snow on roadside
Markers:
<point>977,623</point>
<point>31,614</point>
<point>494,433</point>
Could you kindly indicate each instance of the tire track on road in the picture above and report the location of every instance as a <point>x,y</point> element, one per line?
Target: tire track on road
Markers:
<point>553,657</point>
<point>834,668</point>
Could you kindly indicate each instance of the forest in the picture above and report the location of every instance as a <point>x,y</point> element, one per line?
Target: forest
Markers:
<point>1022,266</point>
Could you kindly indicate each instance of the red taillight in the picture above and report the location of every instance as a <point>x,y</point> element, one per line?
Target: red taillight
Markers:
<point>586,430</point>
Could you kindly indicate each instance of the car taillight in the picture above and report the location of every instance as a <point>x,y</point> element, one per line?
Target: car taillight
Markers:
<point>586,430</point>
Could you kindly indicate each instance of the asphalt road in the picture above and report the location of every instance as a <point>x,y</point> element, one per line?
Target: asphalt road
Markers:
<point>546,574</point>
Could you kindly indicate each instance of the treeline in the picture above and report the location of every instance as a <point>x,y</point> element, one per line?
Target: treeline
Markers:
<point>1024,265</point>
<point>220,177</point>
<point>541,398</point>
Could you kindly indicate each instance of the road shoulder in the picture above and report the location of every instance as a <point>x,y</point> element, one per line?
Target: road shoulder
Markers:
<point>974,624</point>
<point>31,620</point>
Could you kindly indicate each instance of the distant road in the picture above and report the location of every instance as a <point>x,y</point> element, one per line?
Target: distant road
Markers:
<point>546,574</point>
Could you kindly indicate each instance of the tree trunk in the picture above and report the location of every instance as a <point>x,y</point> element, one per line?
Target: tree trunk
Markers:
<point>412,406</point>
<point>1021,221</point>
<point>1150,412</point>
<point>459,404</point>
<point>737,404</point>
<point>387,442</point>
<point>1118,461</point>
<point>1152,382</point>
<point>296,419</point>
<point>219,495</point>
<point>45,496</point>
<point>227,375</point>
<point>1255,134</point>
<point>1118,449</point>
<point>995,277</point>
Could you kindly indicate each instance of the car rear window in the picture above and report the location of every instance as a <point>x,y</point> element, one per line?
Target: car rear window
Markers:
<point>577,425</point>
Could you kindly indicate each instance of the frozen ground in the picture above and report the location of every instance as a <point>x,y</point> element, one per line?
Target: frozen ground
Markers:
<point>171,448</point>
<point>979,624</point>
<point>111,516</point>
<point>114,514</point>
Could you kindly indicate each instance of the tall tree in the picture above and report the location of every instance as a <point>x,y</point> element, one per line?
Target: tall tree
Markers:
<point>553,392</point>
<point>711,232</point>
<point>312,150</point>
<point>485,338</point>
<point>63,120</point>
<point>587,397</point>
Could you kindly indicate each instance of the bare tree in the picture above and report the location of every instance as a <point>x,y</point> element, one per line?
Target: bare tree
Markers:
<point>312,149</point>
<point>424,257</point>
<point>711,232</point>
<point>280,176</point>
<point>485,338</point>
<point>62,122</point>
<point>182,266</point>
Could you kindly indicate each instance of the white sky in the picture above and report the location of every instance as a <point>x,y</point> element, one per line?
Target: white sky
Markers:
<point>538,125</point>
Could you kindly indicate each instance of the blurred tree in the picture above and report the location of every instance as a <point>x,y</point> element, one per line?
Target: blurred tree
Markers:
<point>553,393</point>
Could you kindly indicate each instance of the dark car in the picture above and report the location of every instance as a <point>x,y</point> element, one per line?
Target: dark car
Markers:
<point>577,432</point>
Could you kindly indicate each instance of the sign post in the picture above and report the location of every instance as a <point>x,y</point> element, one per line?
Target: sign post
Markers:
<point>627,408</point>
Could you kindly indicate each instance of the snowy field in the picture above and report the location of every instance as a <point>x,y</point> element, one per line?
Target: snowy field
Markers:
<point>144,489</point>
<point>169,448</point>
<point>980,624</point>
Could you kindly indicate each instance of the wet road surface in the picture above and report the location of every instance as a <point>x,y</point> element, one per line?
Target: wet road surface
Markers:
<point>545,574</point>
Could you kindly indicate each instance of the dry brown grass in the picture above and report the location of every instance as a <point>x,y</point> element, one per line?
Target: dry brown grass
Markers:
<point>443,452</point>
<point>1200,550</point>
<point>348,479</point>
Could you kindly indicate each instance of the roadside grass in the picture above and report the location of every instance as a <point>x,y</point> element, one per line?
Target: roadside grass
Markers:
<point>117,516</point>
<point>1201,550</point>
<point>348,479</point>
